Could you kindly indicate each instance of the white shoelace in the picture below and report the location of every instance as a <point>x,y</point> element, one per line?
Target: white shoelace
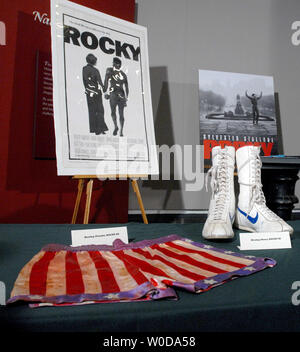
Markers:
<point>219,184</point>
<point>257,194</point>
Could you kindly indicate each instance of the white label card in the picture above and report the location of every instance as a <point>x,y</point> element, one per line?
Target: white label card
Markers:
<point>99,236</point>
<point>264,240</point>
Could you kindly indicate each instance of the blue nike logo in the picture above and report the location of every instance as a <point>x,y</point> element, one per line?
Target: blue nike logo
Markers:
<point>250,218</point>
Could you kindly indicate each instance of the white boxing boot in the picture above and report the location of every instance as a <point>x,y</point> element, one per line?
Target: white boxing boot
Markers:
<point>221,211</point>
<point>252,213</point>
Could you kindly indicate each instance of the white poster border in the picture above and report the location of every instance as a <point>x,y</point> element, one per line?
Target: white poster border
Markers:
<point>144,161</point>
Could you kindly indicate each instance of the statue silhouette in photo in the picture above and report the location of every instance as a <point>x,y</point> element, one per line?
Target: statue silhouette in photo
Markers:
<point>239,108</point>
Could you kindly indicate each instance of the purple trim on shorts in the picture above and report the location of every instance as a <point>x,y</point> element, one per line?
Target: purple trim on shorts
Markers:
<point>213,281</point>
<point>258,265</point>
<point>143,291</point>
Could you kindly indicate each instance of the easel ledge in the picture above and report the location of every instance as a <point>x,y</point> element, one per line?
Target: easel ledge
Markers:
<point>89,190</point>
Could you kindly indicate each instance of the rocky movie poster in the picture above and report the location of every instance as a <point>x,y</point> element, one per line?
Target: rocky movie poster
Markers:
<point>102,103</point>
<point>237,109</point>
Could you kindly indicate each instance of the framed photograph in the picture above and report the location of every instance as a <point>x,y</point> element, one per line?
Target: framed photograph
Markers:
<point>237,109</point>
<point>101,94</point>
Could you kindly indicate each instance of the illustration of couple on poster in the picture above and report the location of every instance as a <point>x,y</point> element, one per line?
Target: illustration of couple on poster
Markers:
<point>115,89</point>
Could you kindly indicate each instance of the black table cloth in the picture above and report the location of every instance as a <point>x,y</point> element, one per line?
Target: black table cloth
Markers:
<point>261,302</point>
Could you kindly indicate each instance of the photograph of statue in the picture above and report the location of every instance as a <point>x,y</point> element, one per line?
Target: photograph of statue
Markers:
<point>237,109</point>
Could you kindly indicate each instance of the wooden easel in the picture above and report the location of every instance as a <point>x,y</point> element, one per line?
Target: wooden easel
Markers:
<point>89,190</point>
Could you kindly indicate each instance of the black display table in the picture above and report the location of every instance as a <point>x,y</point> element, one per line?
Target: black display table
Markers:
<point>279,177</point>
<point>259,302</point>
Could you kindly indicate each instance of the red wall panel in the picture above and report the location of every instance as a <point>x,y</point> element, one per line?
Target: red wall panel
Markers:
<point>30,190</point>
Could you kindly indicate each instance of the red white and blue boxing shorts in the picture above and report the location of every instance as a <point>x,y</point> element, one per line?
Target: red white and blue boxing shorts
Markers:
<point>145,270</point>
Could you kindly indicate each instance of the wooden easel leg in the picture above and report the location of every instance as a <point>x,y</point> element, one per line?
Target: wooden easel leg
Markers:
<point>78,198</point>
<point>139,198</point>
<point>89,189</point>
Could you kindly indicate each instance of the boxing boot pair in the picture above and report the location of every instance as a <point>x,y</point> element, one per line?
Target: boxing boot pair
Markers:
<point>251,213</point>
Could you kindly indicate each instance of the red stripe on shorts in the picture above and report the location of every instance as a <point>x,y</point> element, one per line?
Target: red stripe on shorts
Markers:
<point>105,274</point>
<point>188,260</point>
<point>206,255</point>
<point>145,266</point>
<point>38,274</point>
<point>181,271</point>
<point>137,275</point>
<point>74,281</point>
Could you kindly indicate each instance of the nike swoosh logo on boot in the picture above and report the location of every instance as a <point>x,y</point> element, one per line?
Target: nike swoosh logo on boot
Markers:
<point>253,220</point>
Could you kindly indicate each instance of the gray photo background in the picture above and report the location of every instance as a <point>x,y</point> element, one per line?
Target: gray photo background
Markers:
<point>225,35</point>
